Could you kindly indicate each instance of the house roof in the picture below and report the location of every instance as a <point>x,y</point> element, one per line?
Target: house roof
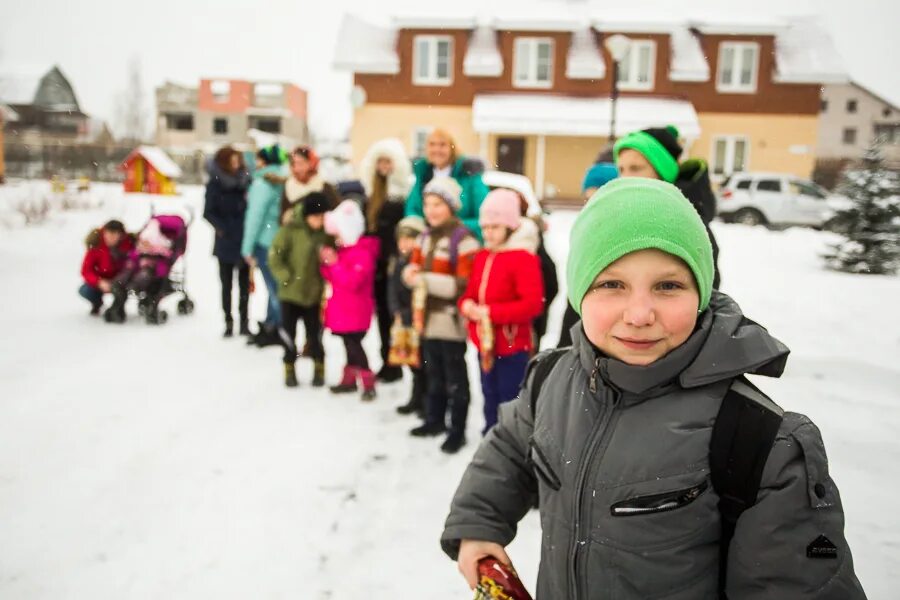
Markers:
<point>158,158</point>
<point>544,114</point>
<point>804,52</point>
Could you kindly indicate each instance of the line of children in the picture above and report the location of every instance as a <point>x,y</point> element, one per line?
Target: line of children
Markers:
<point>350,271</point>
<point>294,261</point>
<point>504,295</point>
<point>438,272</point>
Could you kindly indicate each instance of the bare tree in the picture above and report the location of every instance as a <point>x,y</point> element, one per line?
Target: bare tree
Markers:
<point>131,106</point>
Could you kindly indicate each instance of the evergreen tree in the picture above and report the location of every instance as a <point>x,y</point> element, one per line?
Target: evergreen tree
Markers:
<point>871,222</point>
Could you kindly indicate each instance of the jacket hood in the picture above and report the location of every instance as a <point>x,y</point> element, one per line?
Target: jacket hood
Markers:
<point>273,174</point>
<point>399,183</point>
<point>526,237</point>
<point>725,345</point>
<point>228,181</point>
<point>692,172</point>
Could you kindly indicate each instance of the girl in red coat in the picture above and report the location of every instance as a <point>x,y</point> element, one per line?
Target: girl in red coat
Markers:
<point>504,295</point>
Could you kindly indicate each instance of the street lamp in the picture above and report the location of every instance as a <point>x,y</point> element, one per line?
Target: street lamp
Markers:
<point>618,46</point>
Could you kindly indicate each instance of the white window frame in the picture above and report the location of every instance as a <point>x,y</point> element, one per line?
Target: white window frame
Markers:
<point>432,78</point>
<point>628,69</point>
<point>423,131</point>
<point>735,86</point>
<point>526,48</point>
<point>728,167</point>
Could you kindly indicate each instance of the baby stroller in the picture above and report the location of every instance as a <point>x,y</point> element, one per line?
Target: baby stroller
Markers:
<point>154,271</point>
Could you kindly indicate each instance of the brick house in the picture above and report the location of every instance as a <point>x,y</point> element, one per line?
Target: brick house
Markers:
<point>531,93</point>
<point>221,111</point>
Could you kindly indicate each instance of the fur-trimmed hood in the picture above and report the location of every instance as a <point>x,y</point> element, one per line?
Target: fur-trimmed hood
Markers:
<point>399,183</point>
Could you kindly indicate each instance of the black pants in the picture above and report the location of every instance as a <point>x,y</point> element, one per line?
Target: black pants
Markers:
<point>356,356</point>
<point>290,314</point>
<point>448,384</point>
<point>385,318</point>
<point>226,276</point>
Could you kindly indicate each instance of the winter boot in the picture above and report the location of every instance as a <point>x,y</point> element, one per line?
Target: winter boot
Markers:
<point>453,443</point>
<point>348,382</point>
<point>428,430</point>
<point>229,328</point>
<point>268,336</point>
<point>318,374</point>
<point>290,376</point>
<point>95,309</point>
<point>390,374</point>
<point>368,383</point>
<point>245,327</point>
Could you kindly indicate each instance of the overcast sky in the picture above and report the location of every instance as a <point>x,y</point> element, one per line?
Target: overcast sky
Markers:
<point>294,40</point>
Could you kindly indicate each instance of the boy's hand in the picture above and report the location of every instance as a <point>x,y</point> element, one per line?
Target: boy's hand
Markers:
<point>471,551</point>
<point>250,261</point>
<point>105,286</point>
<point>411,275</point>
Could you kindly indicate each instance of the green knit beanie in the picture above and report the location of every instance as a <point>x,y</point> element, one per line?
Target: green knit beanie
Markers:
<point>631,214</point>
<point>659,146</point>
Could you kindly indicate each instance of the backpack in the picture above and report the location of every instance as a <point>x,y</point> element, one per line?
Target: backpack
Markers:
<point>742,437</point>
<point>455,238</point>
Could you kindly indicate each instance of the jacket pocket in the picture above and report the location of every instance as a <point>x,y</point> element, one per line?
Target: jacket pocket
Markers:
<point>657,503</point>
<point>542,467</point>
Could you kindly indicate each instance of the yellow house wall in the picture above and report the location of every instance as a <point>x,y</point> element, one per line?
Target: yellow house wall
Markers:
<point>374,122</point>
<point>567,159</point>
<point>776,141</point>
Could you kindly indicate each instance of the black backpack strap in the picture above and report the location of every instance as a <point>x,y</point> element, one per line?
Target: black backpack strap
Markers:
<point>541,365</point>
<point>742,438</point>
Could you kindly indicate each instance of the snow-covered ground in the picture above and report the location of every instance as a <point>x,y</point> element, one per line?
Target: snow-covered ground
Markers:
<point>166,462</point>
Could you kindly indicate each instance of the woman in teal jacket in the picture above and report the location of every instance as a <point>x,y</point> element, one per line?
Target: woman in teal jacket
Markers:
<point>441,160</point>
<point>260,226</point>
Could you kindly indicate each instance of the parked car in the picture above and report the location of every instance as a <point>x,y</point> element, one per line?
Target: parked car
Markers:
<point>775,199</point>
<point>516,183</point>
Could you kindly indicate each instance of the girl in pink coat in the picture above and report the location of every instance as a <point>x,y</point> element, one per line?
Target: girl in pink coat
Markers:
<point>351,272</point>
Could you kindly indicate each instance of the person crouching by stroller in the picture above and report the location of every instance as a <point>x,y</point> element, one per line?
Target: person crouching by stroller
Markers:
<point>351,272</point>
<point>405,348</point>
<point>106,256</point>
<point>504,295</point>
<point>437,274</point>
<point>146,271</point>
<point>294,261</point>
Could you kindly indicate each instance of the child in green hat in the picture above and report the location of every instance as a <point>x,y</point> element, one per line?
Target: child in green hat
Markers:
<point>658,469</point>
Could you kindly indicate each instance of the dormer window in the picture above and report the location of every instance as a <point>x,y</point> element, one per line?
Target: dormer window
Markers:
<point>637,68</point>
<point>433,60</point>
<point>533,63</point>
<point>738,67</point>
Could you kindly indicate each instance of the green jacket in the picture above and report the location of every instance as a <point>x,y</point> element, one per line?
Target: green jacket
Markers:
<point>294,261</point>
<point>467,173</point>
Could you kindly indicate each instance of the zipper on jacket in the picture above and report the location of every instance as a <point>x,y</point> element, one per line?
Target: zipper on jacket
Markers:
<point>657,503</point>
<point>591,456</point>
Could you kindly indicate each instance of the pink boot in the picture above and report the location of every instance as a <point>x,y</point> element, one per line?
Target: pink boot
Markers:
<point>368,383</point>
<point>348,382</point>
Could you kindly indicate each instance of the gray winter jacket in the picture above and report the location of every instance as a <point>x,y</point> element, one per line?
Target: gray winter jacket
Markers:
<point>609,440</point>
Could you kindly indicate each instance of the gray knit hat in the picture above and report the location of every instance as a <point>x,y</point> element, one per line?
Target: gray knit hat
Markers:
<point>447,189</point>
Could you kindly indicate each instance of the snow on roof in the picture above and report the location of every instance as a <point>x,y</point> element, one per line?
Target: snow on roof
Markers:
<point>366,48</point>
<point>8,115</point>
<point>688,61</point>
<point>483,58</point>
<point>805,53</point>
<point>220,87</point>
<point>268,89</point>
<point>584,60</point>
<point>543,114</point>
<point>19,88</point>
<point>160,160</point>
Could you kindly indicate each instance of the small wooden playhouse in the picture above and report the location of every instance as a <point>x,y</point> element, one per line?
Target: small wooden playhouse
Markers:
<point>149,170</point>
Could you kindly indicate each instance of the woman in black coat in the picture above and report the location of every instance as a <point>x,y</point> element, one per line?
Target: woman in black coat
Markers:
<point>226,202</point>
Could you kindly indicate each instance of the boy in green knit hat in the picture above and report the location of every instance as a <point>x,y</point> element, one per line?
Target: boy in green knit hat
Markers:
<point>643,492</point>
<point>654,154</point>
